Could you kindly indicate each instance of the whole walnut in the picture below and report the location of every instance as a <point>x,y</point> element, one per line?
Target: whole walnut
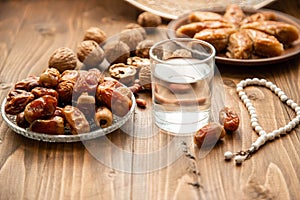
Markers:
<point>63,59</point>
<point>147,19</point>
<point>116,52</point>
<point>137,27</point>
<point>90,53</point>
<point>142,49</point>
<point>96,34</point>
<point>131,37</point>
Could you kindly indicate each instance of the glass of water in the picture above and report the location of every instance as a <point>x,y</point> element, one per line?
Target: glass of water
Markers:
<point>182,72</point>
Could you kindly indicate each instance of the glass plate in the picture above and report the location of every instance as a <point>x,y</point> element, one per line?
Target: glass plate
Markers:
<point>172,9</point>
<point>117,123</point>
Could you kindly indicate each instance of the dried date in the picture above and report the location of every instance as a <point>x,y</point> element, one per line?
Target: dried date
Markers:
<point>229,119</point>
<point>103,117</point>
<point>17,101</point>
<point>28,83</point>
<point>21,121</point>
<point>40,108</point>
<point>41,91</point>
<point>119,103</point>
<point>49,78</point>
<point>76,120</point>
<point>209,134</point>
<point>54,125</point>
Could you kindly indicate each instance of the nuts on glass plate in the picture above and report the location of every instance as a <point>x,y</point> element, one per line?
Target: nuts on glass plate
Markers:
<point>28,83</point>
<point>103,117</point>
<point>76,120</point>
<point>209,134</point>
<point>96,34</point>
<point>63,59</point>
<point>17,101</point>
<point>229,119</point>
<point>40,108</point>
<point>54,125</point>
<point>49,78</point>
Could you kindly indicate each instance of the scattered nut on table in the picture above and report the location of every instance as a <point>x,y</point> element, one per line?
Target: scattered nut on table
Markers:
<point>63,59</point>
<point>90,53</point>
<point>96,34</point>
<point>148,19</point>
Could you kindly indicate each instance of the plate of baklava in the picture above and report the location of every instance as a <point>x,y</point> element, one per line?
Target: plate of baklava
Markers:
<point>242,36</point>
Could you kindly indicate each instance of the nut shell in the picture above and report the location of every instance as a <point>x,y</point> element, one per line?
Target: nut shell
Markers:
<point>124,73</point>
<point>90,53</point>
<point>63,59</point>
<point>96,34</point>
<point>145,77</point>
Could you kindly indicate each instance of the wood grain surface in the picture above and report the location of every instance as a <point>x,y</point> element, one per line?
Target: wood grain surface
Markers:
<point>137,161</point>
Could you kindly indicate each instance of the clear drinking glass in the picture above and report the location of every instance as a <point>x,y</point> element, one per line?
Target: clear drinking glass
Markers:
<point>182,80</point>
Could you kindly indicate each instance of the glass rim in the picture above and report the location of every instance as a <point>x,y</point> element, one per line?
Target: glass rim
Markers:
<point>202,42</point>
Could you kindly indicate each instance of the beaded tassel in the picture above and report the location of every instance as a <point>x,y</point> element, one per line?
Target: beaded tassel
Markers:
<point>241,156</point>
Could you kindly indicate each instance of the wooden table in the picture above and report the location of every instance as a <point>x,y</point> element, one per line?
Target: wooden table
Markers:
<point>121,165</point>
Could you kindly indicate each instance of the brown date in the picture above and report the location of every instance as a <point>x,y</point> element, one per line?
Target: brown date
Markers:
<point>88,81</point>
<point>54,125</point>
<point>76,120</point>
<point>65,92</point>
<point>49,78</point>
<point>229,119</point>
<point>86,104</point>
<point>21,121</point>
<point>40,108</point>
<point>69,75</point>
<point>28,83</point>
<point>41,91</point>
<point>103,117</point>
<point>119,103</point>
<point>17,101</point>
<point>209,134</point>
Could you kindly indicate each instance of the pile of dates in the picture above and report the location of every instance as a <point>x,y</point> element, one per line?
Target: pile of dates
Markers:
<point>74,101</point>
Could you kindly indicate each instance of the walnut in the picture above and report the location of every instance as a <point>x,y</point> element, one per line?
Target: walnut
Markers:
<point>145,77</point>
<point>124,73</point>
<point>138,62</point>
<point>63,59</point>
<point>137,27</point>
<point>90,53</point>
<point>131,38</point>
<point>116,52</point>
<point>147,19</point>
<point>142,49</point>
<point>96,34</point>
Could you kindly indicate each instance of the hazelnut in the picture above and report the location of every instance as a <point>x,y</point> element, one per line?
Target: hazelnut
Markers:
<point>209,134</point>
<point>63,59</point>
<point>124,73</point>
<point>90,53</point>
<point>142,49</point>
<point>131,37</point>
<point>137,27</point>
<point>116,52</point>
<point>96,34</point>
<point>145,77</point>
<point>147,19</point>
